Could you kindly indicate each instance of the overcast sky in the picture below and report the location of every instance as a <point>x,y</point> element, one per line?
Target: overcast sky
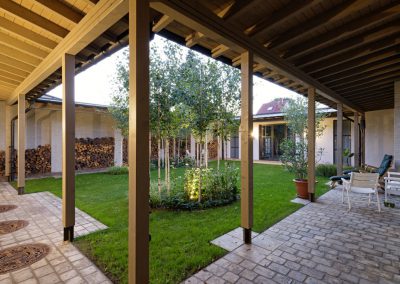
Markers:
<point>94,84</point>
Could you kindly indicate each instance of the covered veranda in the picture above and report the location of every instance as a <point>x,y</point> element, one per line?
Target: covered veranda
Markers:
<point>344,54</point>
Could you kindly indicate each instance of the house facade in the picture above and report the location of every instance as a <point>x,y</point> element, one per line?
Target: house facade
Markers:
<point>270,128</point>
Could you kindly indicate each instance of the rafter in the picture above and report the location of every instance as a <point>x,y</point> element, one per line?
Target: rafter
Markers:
<point>22,46</point>
<point>18,55</point>
<point>390,76</point>
<point>161,24</point>
<point>374,35</point>
<point>5,60</point>
<point>62,10</point>
<point>27,15</point>
<point>345,30</point>
<point>309,26</point>
<point>5,74</point>
<point>26,33</point>
<point>13,70</point>
<point>193,39</point>
<point>367,87</point>
<point>277,17</point>
<point>219,50</point>
<point>235,8</point>
<point>368,49</point>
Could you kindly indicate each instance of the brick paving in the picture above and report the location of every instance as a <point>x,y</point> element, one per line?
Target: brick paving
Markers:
<point>64,263</point>
<point>319,243</point>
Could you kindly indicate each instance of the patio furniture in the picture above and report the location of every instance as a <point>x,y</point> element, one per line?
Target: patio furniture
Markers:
<point>361,183</point>
<point>392,184</point>
<point>381,170</point>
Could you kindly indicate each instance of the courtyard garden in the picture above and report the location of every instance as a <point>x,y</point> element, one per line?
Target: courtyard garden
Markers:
<point>180,239</point>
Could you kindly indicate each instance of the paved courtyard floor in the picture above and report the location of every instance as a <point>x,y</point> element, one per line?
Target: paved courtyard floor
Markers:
<point>64,263</point>
<point>320,243</point>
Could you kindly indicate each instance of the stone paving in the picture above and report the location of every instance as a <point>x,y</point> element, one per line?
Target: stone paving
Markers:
<point>64,263</point>
<point>319,243</point>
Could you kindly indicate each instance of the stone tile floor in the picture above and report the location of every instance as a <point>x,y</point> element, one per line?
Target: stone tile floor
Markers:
<point>64,263</point>
<point>319,243</point>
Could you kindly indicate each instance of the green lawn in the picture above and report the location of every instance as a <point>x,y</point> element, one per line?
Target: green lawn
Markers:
<point>180,240</point>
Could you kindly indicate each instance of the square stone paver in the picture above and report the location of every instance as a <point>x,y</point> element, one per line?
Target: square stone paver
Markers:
<point>64,263</point>
<point>320,243</point>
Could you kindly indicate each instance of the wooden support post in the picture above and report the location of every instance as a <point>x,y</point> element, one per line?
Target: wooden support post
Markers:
<point>21,143</point>
<point>8,142</point>
<point>356,140</point>
<point>362,137</point>
<point>139,179</point>
<point>311,144</point>
<point>247,145</point>
<point>68,146</point>
<point>339,140</point>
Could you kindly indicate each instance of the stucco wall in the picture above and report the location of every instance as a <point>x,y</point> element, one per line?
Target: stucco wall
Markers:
<point>2,125</point>
<point>379,135</point>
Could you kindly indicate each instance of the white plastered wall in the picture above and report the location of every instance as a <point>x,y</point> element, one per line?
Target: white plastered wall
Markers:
<point>2,125</point>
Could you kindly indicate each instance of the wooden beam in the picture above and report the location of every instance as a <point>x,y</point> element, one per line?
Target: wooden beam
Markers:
<point>365,75</point>
<point>21,144</point>
<point>232,9</point>
<point>267,23</point>
<point>22,46</point>
<point>356,133</point>
<point>378,78</point>
<point>28,16</point>
<point>65,11</point>
<point>309,26</point>
<point>361,69</point>
<point>311,144</point>
<point>8,75</point>
<point>138,154</point>
<point>345,30</point>
<point>357,61</point>
<point>236,61</point>
<point>372,36</point>
<point>99,19</point>
<point>26,34</point>
<point>259,67</point>
<point>162,23</point>
<point>68,146</point>
<point>366,87</point>
<point>370,91</point>
<point>9,81</point>
<point>13,71</point>
<point>339,140</point>
<point>246,153</point>
<point>19,55</point>
<point>193,39</point>
<point>219,50</point>
<point>8,140</point>
<point>215,28</point>
<point>4,60</point>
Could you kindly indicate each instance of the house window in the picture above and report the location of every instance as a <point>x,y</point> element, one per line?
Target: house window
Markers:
<point>235,146</point>
<point>346,138</point>
<point>271,137</point>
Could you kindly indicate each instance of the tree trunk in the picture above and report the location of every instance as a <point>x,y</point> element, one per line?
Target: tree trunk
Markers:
<point>159,165</point>
<point>149,151</point>
<point>200,177</point>
<point>206,152</point>
<point>168,168</point>
<point>222,150</point>
<point>174,149</point>
<point>179,149</point>
<point>218,145</point>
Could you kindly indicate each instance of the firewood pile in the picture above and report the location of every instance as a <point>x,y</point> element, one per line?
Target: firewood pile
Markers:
<point>38,161</point>
<point>2,163</point>
<point>94,153</point>
<point>212,150</point>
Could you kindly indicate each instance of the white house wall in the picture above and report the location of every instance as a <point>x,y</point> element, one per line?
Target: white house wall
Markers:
<point>2,125</point>
<point>379,135</point>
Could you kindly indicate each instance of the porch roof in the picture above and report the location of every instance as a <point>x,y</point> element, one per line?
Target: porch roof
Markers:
<point>348,50</point>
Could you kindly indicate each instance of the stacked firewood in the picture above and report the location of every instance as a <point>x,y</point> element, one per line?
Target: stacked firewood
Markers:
<point>94,153</point>
<point>212,149</point>
<point>2,163</point>
<point>38,160</point>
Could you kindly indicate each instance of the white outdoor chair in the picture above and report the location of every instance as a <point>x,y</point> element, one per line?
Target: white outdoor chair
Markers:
<point>363,183</point>
<point>392,184</point>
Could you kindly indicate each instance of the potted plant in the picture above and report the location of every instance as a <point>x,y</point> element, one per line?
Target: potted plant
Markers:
<point>294,147</point>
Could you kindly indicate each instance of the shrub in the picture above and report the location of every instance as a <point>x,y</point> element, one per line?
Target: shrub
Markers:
<point>118,170</point>
<point>326,170</point>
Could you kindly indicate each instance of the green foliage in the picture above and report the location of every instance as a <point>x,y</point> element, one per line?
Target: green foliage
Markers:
<point>118,170</point>
<point>325,170</point>
<point>295,147</point>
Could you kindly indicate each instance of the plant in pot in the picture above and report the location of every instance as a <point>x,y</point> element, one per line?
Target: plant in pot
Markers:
<point>294,147</point>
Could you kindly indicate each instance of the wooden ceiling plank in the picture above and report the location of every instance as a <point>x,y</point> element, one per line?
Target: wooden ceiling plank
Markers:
<point>219,50</point>
<point>6,83</point>
<point>361,69</point>
<point>14,71</point>
<point>377,89</point>
<point>374,36</point>
<point>352,54</point>
<point>277,17</point>
<point>99,19</point>
<point>33,18</point>
<point>371,93</point>
<point>62,10</point>
<point>344,30</point>
<point>26,33</point>
<point>11,76</point>
<point>16,64</point>
<point>22,45</point>
<point>161,24</point>
<point>235,9</point>
<point>8,80</point>
<point>18,55</point>
<point>374,85</point>
<point>392,76</point>
<point>309,26</point>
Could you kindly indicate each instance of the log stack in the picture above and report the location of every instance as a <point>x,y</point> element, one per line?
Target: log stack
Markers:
<point>94,153</point>
<point>38,160</point>
<point>212,149</point>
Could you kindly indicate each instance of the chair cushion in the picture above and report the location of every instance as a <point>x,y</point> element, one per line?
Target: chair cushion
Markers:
<point>339,178</point>
<point>386,162</point>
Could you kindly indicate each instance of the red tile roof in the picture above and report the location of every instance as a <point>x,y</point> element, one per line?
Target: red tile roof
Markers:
<point>276,106</point>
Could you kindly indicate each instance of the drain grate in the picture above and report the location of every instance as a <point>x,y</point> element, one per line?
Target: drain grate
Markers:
<point>5,208</point>
<point>17,257</point>
<point>7,227</point>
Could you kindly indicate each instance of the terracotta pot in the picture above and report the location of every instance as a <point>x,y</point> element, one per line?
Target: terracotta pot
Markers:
<point>302,188</point>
